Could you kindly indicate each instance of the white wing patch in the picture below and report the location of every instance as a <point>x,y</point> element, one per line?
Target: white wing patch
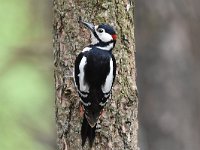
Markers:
<point>86,49</point>
<point>109,80</point>
<point>103,104</point>
<point>82,84</point>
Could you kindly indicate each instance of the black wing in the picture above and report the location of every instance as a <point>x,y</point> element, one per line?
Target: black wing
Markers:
<point>107,94</point>
<point>114,69</point>
<point>83,94</point>
<point>76,70</point>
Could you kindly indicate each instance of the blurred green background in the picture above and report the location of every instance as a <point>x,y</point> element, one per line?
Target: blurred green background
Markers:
<point>26,76</point>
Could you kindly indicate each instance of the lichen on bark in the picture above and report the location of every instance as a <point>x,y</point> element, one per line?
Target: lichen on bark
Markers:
<point>119,122</point>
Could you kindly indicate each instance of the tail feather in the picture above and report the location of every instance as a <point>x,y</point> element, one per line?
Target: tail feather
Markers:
<point>91,135</point>
<point>87,132</point>
<point>84,130</point>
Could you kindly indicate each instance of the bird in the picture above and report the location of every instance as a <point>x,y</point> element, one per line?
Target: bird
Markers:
<point>94,75</point>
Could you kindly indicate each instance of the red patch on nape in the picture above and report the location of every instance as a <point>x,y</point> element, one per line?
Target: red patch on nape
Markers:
<point>114,36</point>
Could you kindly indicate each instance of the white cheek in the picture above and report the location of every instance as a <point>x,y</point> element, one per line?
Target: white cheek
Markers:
<point>105,37</point>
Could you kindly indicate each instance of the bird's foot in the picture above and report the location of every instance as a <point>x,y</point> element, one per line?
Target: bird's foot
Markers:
<point>81,110</point>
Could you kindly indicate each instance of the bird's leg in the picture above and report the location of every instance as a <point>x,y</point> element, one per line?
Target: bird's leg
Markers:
<point>81,109</point>
<point>101,113</point>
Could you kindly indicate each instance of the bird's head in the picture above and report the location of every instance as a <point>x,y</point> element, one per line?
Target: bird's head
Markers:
<point>102,35</point>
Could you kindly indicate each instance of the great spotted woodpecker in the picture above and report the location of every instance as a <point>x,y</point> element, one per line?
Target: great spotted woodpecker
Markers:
<point>95,70</point>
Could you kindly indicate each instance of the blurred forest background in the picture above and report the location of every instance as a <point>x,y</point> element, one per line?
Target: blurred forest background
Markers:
<point>167,44</point>
<point>26,76</point>
<point>168,65</point>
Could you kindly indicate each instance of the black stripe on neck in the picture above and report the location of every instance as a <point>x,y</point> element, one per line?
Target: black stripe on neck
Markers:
<point>101,43</point>
<point>95,34</point>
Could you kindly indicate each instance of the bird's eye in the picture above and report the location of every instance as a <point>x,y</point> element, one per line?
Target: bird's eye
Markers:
<point>100,30</point>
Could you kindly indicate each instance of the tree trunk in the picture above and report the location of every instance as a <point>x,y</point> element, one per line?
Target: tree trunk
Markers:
<point>119,122</point>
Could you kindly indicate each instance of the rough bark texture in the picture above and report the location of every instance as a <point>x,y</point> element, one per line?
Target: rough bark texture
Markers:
<point>119,122</point>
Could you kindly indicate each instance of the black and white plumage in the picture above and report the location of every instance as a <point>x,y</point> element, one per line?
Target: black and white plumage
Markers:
<point>95,70</point>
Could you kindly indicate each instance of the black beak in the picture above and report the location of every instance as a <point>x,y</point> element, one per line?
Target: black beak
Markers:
<point>90,26</point>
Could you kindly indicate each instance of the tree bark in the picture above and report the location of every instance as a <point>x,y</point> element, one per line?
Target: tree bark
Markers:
<point>118,125</point>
